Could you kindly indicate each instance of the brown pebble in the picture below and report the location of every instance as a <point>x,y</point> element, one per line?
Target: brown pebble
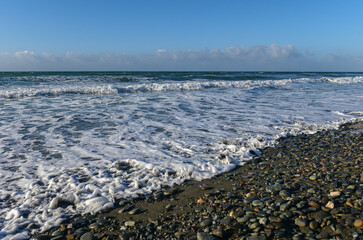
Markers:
<point>201,201</point>
<point>314,204</point>
<point>313,225</point>
<point>250,194</point>
<point>358,223</point>
<point>62,228</point>
<point>70,237</point>
<point>349,204</point>
<point>268,232</point>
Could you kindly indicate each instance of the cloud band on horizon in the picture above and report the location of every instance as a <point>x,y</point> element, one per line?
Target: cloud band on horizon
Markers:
<point>239,58</point>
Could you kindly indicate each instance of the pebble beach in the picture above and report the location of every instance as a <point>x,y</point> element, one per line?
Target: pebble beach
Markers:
<point>306,187</point>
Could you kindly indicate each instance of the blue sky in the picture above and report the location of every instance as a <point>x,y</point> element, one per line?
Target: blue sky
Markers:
<point>281,35</point>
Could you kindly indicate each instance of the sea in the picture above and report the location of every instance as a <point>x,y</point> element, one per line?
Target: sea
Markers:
<point>75,142</point>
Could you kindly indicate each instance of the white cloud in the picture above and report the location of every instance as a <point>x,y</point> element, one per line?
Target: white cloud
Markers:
<point>238,58</point>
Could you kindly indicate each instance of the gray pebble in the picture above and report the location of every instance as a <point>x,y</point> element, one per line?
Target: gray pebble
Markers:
<point>256,237</point>
<point>254,225</point>
<point>205,223</point>
<point>243,219</point>
<point>58,233</point>
<point>218,232</point>
<point>42,237</point>
<point>226,220</point>
<point>87,236</point>
<point>257,203</point>
<point>300,222</point>
<point>205,236</point>
<point>285,207</point>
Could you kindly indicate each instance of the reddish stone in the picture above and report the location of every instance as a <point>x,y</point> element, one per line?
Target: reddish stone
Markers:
<point>358,223</point>
<point>314,204</point>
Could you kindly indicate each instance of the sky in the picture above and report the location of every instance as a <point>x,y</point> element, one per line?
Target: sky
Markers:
<point>188,35</point>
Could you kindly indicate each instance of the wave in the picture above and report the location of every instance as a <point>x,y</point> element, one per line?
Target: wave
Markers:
<point>134,88</point>
<point>199,85</point>
<point>343,80</point>
<point>195,85</point>
<point>34,92</point>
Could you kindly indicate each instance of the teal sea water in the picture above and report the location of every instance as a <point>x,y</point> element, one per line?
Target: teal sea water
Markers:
<point>64,135</point>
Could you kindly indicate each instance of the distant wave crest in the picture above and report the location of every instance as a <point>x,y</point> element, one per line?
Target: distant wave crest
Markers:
<point>133,88</point>
<point>55,91</point>
<point>343,80</point>
<point>196,85</point>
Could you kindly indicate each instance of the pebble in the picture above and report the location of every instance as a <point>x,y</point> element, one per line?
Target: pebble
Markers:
<point>256,237</point>
<point>126,209</point>
<point>226,220</point>
<point>127,235</point>
<point>94,226</point>
<point>254,225</point>
<point>284,207</point>
<point>314,204</point>
<point>123,203</point>
<point>257,203</point>
<point>275,219</point>
<point>58,238</point>
<point>218,232</point>
<point>168,207</point>
<point>236,213</point>
<point>79,232</point>
<point>313,225</point>
<point>43,237</point>
<point>358,223</point>
<point>70,237</point>
<point>87,236</point>
<point>130,223</point>
<point>58,233</point>
<point>313,177</point>
<point>135,211</point>
<point>243,219</point>
<point>330,205</point>
<point>205,236</point>
<point>300,222</point>
<point>263,221</point>
<point>335,194</point>
<point>205,223</point>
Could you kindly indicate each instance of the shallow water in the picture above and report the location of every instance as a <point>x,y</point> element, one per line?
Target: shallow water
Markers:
<point>62,134</point>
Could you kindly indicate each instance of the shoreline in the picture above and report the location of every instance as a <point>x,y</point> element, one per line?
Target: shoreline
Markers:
<point>306,187</point>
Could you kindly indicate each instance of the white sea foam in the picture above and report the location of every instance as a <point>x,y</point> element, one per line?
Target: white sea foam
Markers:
<point>46,90</point>
<point>54,91</point>
<point>200,84</point>
<point>91,143</point>
<point>343,80</point>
